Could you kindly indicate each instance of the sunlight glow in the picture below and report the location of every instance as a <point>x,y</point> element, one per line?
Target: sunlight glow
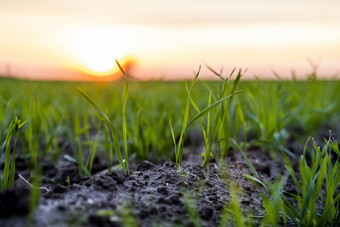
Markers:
<point>96,48</point>
<point>169,41</point>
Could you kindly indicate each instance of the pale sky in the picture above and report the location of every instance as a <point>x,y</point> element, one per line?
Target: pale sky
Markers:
<point>168,39</point>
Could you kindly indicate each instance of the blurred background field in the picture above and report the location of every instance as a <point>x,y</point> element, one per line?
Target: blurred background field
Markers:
<point>265,113</point>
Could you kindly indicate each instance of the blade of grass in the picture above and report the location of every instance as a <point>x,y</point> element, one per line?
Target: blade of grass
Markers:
<point>209,108</point>
<point>107,120</point>
<point>291,171</point>
<point>124,100</point>
<point>252,168</point>
<point>80,157</point>
<point>92,154</point>
<point>174,140</point>
<point>185,120</point>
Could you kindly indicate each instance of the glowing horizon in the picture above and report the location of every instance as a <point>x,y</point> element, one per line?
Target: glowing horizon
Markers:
<point>59,40</point>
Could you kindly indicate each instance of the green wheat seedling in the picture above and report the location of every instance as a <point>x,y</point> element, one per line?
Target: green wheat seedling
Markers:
<point>92,154</point>
<point>320,175</point>
<point>231,118</point>
<point>179,145</point>
<point>123,162</point>
<point>125,213</point>
<point>189,202</point>
<point>232,214</point>
<point>209,138</point>
<point>7,180</point>
<point>235,206</point>
<point>36,179</point>
<point>83,169</point>
<point>209,130</point>
<point>273,204</point>
<point>8,111</point>
<point>219,123</point>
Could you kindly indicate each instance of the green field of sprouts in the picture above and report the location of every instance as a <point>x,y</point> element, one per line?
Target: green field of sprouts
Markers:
<point>127,122</point>
<point>262,113</point>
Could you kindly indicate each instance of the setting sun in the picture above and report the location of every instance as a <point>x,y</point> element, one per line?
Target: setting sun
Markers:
<point>95,48</point>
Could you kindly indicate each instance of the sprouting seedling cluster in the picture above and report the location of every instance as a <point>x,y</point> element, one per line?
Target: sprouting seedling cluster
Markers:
<point>209,134</point>
<point>322,173</point>
<point>124,163</point>
<point>9,167</point>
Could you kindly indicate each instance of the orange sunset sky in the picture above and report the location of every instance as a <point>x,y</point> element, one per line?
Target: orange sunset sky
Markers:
<point>74,40</point>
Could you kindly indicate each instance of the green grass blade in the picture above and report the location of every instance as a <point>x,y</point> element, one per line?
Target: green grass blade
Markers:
<point>293,213</point>
<point>174,140</point>
<point>209,108</point>
<point>291,171</point>
<point>205,128</point>
<point>2,148</point>
<point>254,179</point>
<point>185,120</point>
<point>235,84</point>
<point>124,100</point>
<point>93,152</point>
<point>117,148</point>
<point>235,206</point>
<point>80,157</point>
<point>252,168</point>
<point>307,199</point>
<point>334,145</point>
<point>212,137</point>
<point>103,115</point>
<point>9,167</point>
<point>7,158</point>
<point>12,171</point>
<point>305,146</point>
<point>189,203</point>
<point>95,106</point>
<point>208,115</point>
<point>124,125</point>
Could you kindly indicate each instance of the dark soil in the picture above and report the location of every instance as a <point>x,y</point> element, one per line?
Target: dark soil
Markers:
<point>150,195</point>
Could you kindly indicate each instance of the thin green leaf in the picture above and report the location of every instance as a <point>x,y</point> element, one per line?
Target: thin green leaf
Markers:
<point>185,120</point>
<point>103,115</point>
<point>95,106</point>
<point>12,171</point>
<point>174,140</point>
<point>209,108</point>
<point>252,168</point>
<point>291,171</point>
<point>254,179</point>
<point>124,124</point>
<point>307,200</point>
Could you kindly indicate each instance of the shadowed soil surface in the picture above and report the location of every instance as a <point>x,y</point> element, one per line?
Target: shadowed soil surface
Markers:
<point>150,195</point>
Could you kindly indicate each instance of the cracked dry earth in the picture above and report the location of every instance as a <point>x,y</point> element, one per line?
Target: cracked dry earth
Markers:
<point>151,195</point>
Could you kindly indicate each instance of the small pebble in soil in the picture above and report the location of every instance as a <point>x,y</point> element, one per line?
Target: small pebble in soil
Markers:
<point>90,201</point>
